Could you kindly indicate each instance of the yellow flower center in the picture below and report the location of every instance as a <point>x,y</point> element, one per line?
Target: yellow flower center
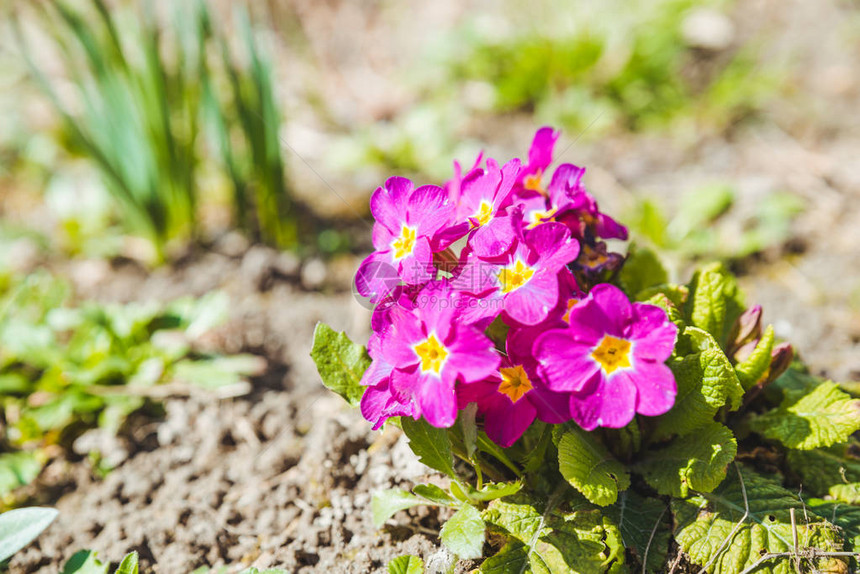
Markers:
<point>515,382</point>
<point>612,353</point>
<point>484,214</point>
<point>538,217</point>
<point>570,304</point>
<point>515,276</point>
<point>404,244</point>
<point>432,354</point>
<point>533,182</point>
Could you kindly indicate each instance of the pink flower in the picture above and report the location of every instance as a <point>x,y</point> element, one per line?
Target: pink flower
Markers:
<point>524,282</point>
<point>429,349</point>
<point>611,359</point>
<point>406,234</point>
<point>483,196</point>
<point>512,398</point>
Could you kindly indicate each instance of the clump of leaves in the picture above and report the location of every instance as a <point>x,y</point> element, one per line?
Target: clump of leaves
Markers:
<point>708,223</point>
<point>716,479</point>
<point>147,91</point>
<point>65,368</point>
<point>609,64</point>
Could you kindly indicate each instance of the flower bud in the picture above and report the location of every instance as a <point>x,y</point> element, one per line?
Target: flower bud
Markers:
<point>781,358</point>
<point>747,328</point>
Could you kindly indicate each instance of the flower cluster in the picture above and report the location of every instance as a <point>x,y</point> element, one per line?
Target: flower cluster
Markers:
<point>496,289</point>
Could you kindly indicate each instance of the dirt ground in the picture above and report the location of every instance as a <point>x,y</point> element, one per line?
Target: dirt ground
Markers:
<point>282,476</point>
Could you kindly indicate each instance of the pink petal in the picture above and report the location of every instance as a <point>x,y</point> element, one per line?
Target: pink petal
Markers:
<point>655,385</point>
<point>494,238</point>
<point>377,276</point>
<point>531,303</point>
<point>507,422</point>
<point>565,364</point>
<point>437,401</point>
<point>417,267</point>
<point>653,333</point>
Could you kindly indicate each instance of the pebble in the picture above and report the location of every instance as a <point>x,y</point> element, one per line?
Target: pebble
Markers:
<point>708,29</point>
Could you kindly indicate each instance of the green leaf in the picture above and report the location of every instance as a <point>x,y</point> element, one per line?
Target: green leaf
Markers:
<point>849,492</point>
<point>18,469</point>
<point>513,558</point>
<point>706,382</point>
<point>822,418</point>
<point>821,468</point>
<point>340,362</point>
<point>128,564</point>
<point>696,461</point>
<point>644,526</point>
<point>434,494</point>
<point>406,565</point>
<point>715,302</point>
<point>751,370</point>
<point>554,542</point>
<point>709,528</point>
<point>845,516</point>
<point>85,562</point>
<point>432,445</point>
<point>386,503</point>
<point>463,533</point>
<point>492,491</point>
<point>586,464</point>
<point>642,270</point>
<point>21,526</point>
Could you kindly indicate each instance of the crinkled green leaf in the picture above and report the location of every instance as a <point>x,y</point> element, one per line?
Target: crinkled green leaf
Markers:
<point>821,468</point>
<point>586,464</point>
<point>845,516</point>
<point>432,445</point>
<point>705,524</point>
<point>677,295</point>
<point>406,565</point>
<point>19,527</point>
<point>753,368</point>
<point>642,270</point>
<point>463,533</point>
<point>672,311</point>
<point>85,562</point>
<point>822,418</point>
<point>706,382</point>
<point>715,301</point>
<point>386,503</point>
<point>644,526</point>
<point>554,542</point>
<point>696,461</point>
<point>340,362</point>
<point>513,558</point>
<point>849,492</point>
<point>128,565</point>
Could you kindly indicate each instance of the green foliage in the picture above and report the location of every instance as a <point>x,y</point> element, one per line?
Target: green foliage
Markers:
<point>706,383</point>
<point>66,368</point>
<point>128,565</point>
<point>643,523</point>
<point>622,63</point>
<point>21,526</point>
<point>406,565</point>
<point>547,540</point>
<point>642,270</point>
<point>822,418</point>
<point>141,113</point>
<point>716,530</point>
<point>715,301</point>
<point>463,533</point>
<point>703,225</point>
<point>586,464</point>
<point>817,470</point>
<point>696,461</point>
<point>340,362</point>
<point>85,562</point>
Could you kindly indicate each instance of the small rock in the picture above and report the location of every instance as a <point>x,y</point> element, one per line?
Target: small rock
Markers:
<point>708,29</point>
<point>232,244</point>
<point>314,274</point>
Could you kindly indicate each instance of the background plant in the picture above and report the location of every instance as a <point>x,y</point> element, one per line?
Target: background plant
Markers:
<point>65,368</point>
<point>145,92</point>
